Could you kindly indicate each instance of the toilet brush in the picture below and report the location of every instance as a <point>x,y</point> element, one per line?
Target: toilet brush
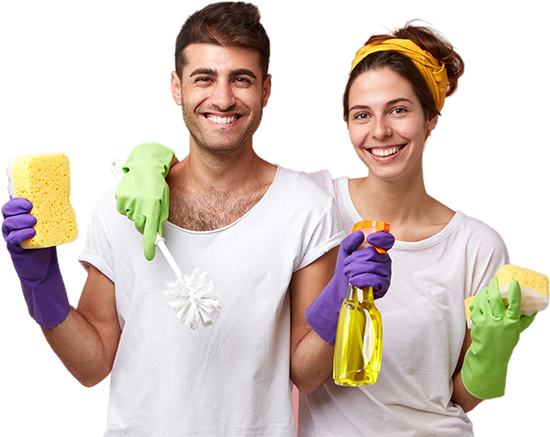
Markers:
<point>193,298</point>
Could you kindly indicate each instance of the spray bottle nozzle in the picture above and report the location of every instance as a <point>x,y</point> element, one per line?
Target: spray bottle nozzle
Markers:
<point>369,227</point>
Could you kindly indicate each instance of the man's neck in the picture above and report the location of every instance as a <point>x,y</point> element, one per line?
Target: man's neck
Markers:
<point>223,171</point>
<point>208,192</point>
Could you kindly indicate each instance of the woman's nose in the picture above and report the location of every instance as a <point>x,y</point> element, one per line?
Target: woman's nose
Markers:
<point>381,128</point>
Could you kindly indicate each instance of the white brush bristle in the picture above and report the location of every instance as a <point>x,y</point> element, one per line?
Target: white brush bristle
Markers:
<point>194,299</point>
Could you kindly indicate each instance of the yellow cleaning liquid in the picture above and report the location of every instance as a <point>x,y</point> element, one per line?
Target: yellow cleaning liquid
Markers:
<point>358,346</point>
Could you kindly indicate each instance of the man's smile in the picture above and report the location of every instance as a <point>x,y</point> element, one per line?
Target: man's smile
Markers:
<point>222,120</point>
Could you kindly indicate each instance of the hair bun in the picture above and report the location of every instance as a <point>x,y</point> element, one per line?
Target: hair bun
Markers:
<point>433,41</point>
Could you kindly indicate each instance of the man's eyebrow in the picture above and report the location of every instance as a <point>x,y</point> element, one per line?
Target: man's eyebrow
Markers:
<point>242,72</point>
<point>206,71</point>
<point>234,73</point>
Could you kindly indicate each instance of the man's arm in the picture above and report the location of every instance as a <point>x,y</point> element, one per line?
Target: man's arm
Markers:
<point>310,356</point>
<point>87,341</point>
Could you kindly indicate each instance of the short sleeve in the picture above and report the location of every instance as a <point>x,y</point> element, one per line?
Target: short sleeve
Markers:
<point>488,254</point>
<point>325,234</point>
<point>98,250</point>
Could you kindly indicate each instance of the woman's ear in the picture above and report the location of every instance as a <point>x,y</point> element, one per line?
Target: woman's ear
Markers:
<point>431,123</point>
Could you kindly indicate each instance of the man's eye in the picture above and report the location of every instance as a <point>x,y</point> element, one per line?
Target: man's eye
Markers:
<point>242,80</point>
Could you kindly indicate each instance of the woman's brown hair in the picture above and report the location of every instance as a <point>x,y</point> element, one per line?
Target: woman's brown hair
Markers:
<point>427,39</point>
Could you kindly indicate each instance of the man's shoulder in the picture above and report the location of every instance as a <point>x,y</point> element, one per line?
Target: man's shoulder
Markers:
<point>318,186</point>
<point>106,205</point>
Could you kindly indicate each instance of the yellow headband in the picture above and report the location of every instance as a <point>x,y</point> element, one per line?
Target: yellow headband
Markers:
<point>434,72</point>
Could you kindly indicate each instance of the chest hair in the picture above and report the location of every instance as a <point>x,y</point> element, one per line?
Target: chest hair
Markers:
<point>211,209</point>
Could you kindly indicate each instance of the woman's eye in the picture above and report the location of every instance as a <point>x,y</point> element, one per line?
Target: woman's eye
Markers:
<point>361,116</point>
<point>399,111</point>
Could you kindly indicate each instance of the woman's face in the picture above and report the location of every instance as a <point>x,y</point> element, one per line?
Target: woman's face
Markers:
<point>387,125</point>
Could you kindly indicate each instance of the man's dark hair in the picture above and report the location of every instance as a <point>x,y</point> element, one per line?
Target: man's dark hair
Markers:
<point>228,24</point>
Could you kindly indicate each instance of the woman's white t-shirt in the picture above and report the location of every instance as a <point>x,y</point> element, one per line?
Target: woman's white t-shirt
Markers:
<point>424,325</point>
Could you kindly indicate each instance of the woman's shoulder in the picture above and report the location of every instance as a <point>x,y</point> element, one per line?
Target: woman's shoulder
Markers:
<point>481,235</point>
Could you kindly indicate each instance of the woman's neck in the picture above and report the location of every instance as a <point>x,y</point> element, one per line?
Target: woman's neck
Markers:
<point>413,214</point>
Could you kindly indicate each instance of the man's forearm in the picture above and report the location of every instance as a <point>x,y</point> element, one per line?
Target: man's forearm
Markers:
<point>87,341</point>
<point>81,349</point>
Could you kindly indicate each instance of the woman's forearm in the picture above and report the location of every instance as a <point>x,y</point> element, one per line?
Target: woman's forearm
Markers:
<point>461,396</point>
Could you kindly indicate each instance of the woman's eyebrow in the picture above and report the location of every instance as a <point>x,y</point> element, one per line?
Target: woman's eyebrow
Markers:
<point>390,103</point>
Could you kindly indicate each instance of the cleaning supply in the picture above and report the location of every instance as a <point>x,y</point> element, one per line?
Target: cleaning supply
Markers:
<point>358,345</point>
<point>44,180</point>
<point>362,268</point>
<point>533,285</point>
<point>193,298</point>
<point>495,332</point>
<point>38,269</point>
<point>37,218</point>
<point>143,194</point>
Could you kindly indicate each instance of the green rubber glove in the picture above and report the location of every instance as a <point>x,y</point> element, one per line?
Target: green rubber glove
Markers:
<point>495,332</point>
<point>143,194</point>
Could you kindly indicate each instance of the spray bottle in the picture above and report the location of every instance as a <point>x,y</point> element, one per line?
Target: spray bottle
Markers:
<point>358,346</point>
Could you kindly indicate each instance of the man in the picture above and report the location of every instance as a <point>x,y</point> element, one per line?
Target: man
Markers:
<point>256,229</point>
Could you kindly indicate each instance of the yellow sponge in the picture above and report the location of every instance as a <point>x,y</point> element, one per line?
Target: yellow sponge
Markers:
<point>45,181</point>
<point>467,302</point>
<point>534,289</point>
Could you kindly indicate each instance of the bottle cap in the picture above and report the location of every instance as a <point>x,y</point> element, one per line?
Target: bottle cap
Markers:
<point>369,227</point>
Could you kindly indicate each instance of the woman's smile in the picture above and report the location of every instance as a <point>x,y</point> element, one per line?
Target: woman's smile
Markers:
<point>385,152</point>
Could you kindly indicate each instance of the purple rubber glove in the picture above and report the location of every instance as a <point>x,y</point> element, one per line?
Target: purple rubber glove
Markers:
<point>37,269</point>
<point>362,268</point>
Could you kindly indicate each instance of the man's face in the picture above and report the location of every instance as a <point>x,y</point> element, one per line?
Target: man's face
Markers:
<point>222,96</point>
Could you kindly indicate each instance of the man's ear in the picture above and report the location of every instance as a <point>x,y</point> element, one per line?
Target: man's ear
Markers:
<point>266,89</point>
<point>175,85</point>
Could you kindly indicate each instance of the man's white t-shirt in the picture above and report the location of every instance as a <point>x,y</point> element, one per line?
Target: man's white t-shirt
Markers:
<point>424,325</point>
<point>231,378</point>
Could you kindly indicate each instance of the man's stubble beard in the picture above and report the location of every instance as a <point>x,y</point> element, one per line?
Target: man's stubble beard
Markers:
<point>214,148</point>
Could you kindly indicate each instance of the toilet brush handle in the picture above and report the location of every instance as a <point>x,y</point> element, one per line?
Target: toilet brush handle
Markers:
<point>160,243</point>
<point>116,168</point>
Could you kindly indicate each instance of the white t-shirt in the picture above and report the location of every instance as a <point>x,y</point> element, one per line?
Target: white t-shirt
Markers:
<point>423,332</point>
<point>231,378</point>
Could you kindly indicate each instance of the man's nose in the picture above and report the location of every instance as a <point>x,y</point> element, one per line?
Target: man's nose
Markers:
<point>223,96</point>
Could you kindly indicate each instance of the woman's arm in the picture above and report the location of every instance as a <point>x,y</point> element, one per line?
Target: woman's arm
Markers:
<point>461,396</point>
<point>310,355</point>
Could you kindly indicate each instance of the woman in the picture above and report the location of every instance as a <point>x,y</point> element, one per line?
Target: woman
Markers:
<point>431,376</point>
<point>392,101</point>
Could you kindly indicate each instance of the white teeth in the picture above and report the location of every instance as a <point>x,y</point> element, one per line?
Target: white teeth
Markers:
<point>221,120</point>
<point>385,152</point>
